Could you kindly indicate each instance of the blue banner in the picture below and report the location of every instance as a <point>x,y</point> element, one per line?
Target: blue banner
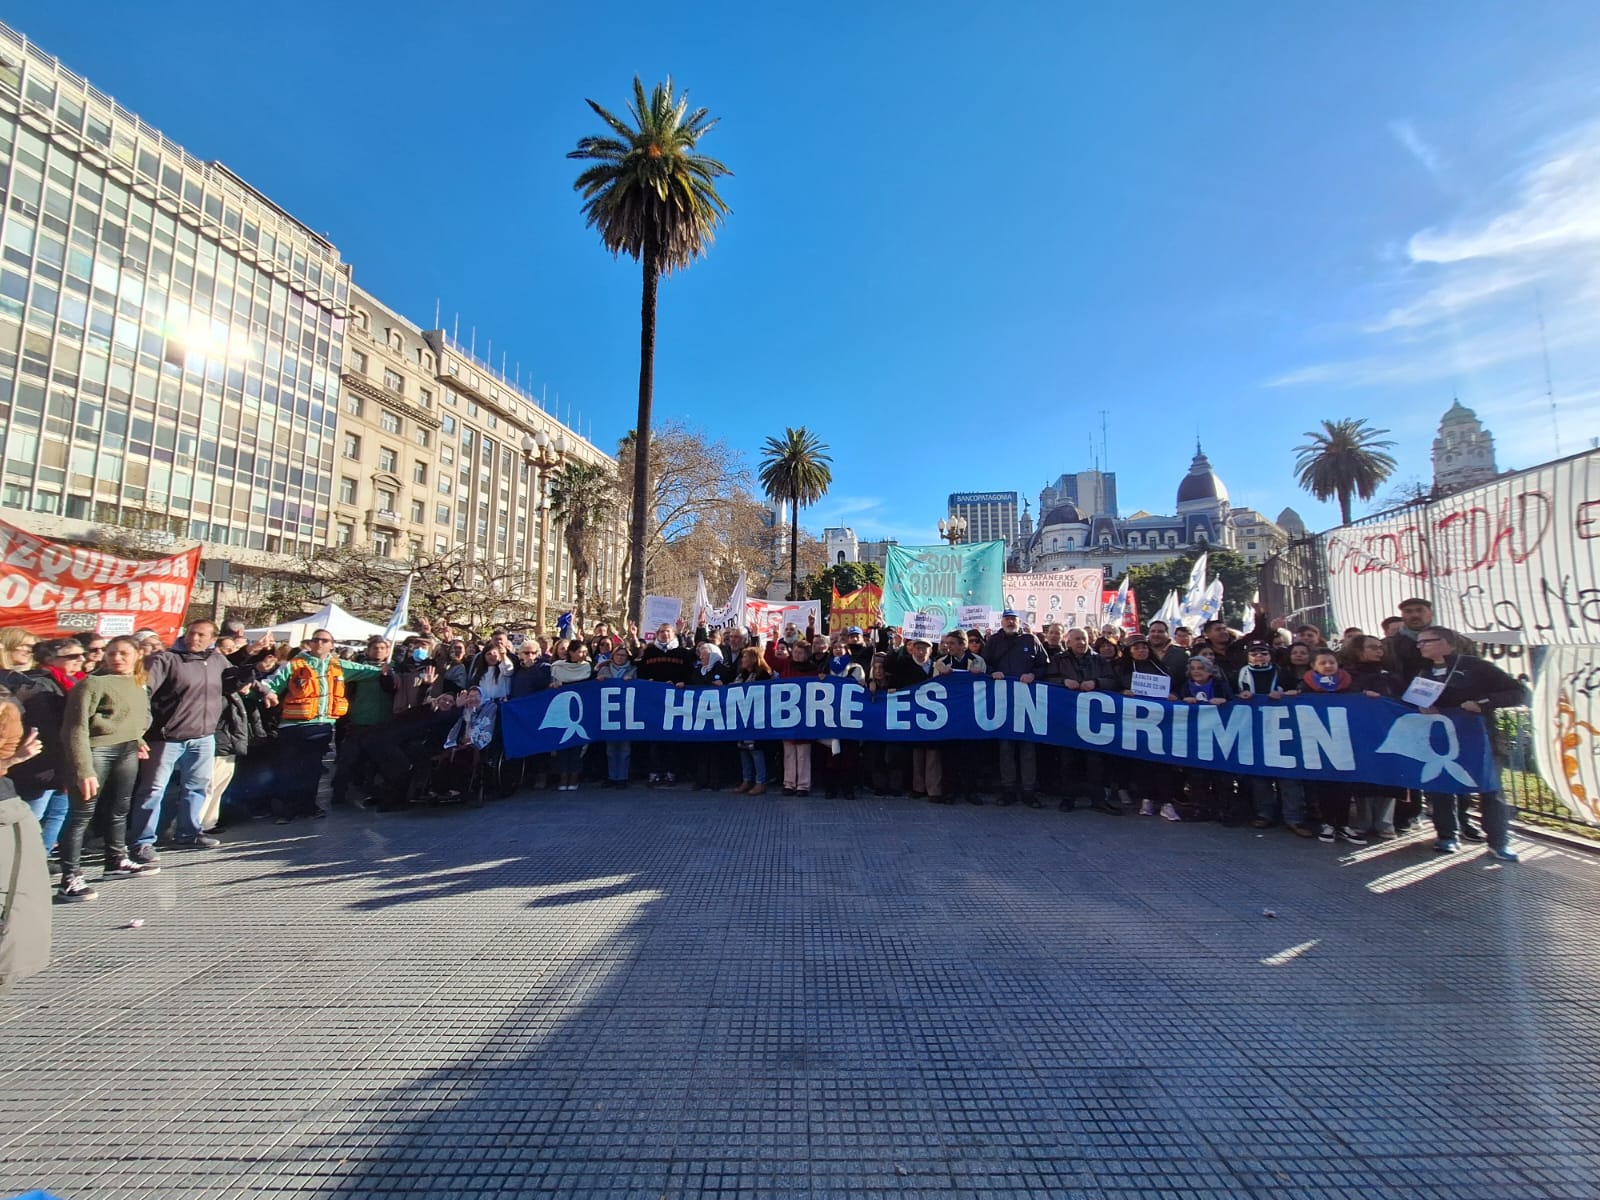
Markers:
<point>940,579</point>
<point>1350,738</point>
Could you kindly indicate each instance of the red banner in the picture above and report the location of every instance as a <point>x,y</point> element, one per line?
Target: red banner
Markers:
<point>48,587</point>
<point>862,607</point>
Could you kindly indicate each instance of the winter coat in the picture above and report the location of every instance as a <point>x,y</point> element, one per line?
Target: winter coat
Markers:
<point>1016,654</point>
<point>185,693</point>
<point>44,703</point>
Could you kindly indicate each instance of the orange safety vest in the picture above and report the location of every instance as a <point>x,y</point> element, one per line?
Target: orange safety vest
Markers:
<point>302,698</point>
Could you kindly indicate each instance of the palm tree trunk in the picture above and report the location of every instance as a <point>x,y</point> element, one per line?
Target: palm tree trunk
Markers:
<point>1344,505</point>
<point>794,550</point>
<point>641,444</point>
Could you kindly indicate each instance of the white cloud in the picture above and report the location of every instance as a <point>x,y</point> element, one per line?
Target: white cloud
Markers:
<point>1474,287</point>
<point>1557,205</point>
<point>1406,134</point>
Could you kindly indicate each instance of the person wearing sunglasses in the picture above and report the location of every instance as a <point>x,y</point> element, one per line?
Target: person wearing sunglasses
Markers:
<point>43,780</point>
<point>309,691</point>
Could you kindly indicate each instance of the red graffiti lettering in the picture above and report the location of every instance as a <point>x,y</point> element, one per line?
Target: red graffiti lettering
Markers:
<point>1587,522</point>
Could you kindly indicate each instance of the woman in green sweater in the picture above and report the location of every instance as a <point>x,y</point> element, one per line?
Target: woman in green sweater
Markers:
<point>103,730</point>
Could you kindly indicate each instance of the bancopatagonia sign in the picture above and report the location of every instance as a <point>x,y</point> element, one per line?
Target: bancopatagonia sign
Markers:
<point>1354,738</point>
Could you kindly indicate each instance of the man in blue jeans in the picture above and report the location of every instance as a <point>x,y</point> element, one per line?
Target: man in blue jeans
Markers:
<point>185,705</point>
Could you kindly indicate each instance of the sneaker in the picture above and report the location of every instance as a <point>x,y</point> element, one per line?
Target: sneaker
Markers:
<point>788,791</point>
<point>1505,856</point>
<point>669,779</point>
<point>1353,837</point>
<point>1326,834</point>
<point>74,890</point>
<point>1170,812</point>
<point>146,857</point>
<point>1147,808</point>
<point>202,842</point>
<point>1471,833</point>
<point>127,868</point>
<point>653,780</point>
<point>1446,846</point>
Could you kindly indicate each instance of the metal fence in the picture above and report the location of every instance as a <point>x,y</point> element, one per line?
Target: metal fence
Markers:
<point>1520,780</point>
<point>1294,583</point>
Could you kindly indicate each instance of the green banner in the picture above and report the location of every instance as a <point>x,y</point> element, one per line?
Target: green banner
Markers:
<point>941,579</point>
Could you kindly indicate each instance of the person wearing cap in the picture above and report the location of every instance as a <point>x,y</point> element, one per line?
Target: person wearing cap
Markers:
<point>1262,679</point>
<point>1405,660</point>
<point>912,667</point>
<point>1012,654</point>
<point>855,645</point>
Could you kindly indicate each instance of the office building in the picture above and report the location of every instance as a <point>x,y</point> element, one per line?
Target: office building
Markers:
<point>990,516</point>
<point>1091,491</point>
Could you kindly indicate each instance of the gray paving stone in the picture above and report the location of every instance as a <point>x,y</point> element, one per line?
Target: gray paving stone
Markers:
<point>631,994</point>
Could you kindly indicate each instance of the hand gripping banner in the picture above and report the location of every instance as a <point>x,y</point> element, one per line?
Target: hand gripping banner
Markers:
<point>1344,738</point>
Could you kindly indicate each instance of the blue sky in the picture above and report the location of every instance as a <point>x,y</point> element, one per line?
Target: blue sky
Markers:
<point>959,231</point>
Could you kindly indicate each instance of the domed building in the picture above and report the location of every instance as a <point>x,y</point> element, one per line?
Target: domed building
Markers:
<point>1066,537</point>
<point>1463,453</point>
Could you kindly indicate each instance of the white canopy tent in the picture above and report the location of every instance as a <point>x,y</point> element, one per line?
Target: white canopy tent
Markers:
<point>345,627</point>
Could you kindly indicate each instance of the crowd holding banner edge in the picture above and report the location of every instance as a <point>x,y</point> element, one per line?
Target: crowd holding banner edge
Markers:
<point>138,745</point>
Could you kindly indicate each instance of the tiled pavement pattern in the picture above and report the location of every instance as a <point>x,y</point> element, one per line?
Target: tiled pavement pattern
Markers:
<point>636,994</point>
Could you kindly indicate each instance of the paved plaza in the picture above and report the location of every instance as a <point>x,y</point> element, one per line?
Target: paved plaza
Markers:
<point>682,994</point>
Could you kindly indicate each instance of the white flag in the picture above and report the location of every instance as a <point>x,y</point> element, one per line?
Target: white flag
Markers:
<point>1211,602</point>
<point>1170,611</point>
<point>397,620</point>
<point>1195,593</point>
<point>1118,607</point>
<point>701,614</point>
<point>731,613</point>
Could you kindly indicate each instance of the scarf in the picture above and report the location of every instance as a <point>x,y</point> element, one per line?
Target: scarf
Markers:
<point>1339,682</point>
<point>1204,691</point>
<point>66,681</point>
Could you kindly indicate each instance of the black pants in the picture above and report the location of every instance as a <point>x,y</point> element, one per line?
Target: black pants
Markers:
<point>116,769</point>
<point>301,746</point>
<point>1082,775</point>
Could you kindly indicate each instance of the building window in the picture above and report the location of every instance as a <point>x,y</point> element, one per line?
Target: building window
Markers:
<point>423,437</point>
<point>347,490</point>
<point>388,459</point>
<point>363,321</point>
<point>352,446</point>
<point>425,397</point>
<point>441,514</point>
<point>444,485</point>
<point>419,512</point>
<point>448,425</point>
<point>1249,545</point>
<point>381,543</point>
<point>358,362</point>
<point>396,341</point>
<point>389,422</point>
<point>346,534</point>
<point>353,404</point>
<point>386,499</point>
<point>419,472</point>
<point>394,381</point>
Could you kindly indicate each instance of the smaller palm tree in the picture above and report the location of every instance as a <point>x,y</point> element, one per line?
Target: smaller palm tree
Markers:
<point>583,497</point>
<point>1344,460</point>
<point>795,468</point>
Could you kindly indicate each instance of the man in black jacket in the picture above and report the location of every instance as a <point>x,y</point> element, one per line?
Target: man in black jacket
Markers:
<point>185,705</point>
<point>1079,669</point>
<point>1013,654</point>
<point>1471,685</point>
<point>664,661</point>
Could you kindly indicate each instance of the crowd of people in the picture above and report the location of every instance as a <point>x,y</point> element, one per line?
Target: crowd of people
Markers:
<point>132,744</point>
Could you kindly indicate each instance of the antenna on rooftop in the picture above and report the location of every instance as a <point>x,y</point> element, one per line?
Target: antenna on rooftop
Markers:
<point>1105,443</point>
<point>473,348</point>
<point>436,312</point>
<point>1549,386</point>
<point>456,336</point>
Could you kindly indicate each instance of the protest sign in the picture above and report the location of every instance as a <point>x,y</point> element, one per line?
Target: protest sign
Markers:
<point>42,581</point>
<point>941,579</point>
<point>922,625</point>
<point>659,611</point>
<point>773,617</point>
<point>1071,599</point>
<point>977,616</point>
<point>1130,618</point>
<point>1151,684</point>
<point>1338,738</point>
<point>1512,560</point>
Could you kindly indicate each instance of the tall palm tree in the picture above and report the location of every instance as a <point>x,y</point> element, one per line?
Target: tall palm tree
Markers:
<point>1345,459</point>
<point>796,468</point>
<point>582,497</point>
<point>653,198</point>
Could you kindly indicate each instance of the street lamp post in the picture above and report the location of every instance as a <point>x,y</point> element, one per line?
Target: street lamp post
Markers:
<point>543,454</point>
<point>953,529</point>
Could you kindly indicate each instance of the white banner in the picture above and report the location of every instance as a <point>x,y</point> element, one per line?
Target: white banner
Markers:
<point>977,616</point>
<point>659,611</point>
<point>1566,727</point>
<point>1066,598</point>
<point>774,618</point>
<point>1514,560</point>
